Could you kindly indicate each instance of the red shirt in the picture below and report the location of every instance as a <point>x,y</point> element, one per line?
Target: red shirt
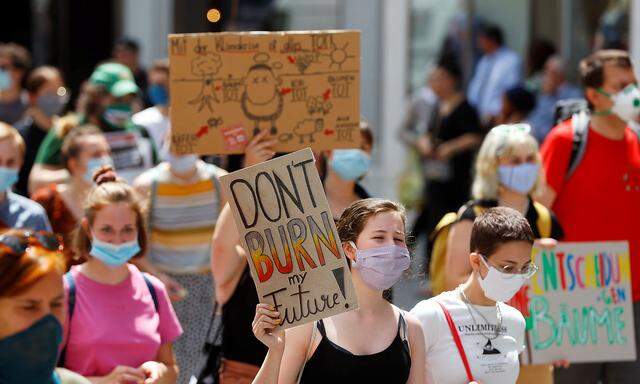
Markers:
<point>601,200</point>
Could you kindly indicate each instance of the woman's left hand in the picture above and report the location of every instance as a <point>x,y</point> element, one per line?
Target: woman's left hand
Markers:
<point>156,373</point>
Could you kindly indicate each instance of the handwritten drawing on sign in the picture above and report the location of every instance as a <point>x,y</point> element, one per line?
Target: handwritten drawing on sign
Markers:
<point>292,244</point>
<point>302,88</point>
<point>579,305</point>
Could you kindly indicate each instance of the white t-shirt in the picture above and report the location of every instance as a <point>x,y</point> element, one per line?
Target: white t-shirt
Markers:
<point>132,154</point>
<point>155,122</point>
<point>492,361</point>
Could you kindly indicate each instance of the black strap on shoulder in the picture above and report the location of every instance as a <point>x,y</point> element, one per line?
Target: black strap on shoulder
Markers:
<point>321,328</point>
<point>152,290</point>
<point>403,332</point>
<point>580,125</point>
<point>71,306</point>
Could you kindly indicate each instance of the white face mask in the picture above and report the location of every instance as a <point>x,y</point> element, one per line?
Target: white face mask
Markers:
<point>179,163</point>
<point>626,103</point>
<point>500,286</point>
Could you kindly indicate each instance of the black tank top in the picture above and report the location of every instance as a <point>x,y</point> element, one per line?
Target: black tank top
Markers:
<point>333,364</point>
<point>238,341</point>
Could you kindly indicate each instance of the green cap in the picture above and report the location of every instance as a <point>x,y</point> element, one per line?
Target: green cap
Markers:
<point>116,78</point>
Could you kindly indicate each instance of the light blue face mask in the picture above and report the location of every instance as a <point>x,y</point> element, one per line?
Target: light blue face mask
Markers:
<point>8,177</point>
<point>114,255</point>
<point>350,164</point>
<point>94,164</point>
<point>520,178</point>
<point>5,80</point>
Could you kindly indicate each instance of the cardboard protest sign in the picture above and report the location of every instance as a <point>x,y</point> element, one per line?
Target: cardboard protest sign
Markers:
<point>578,306</point>
<point>293,249</point>
<point>301,87</point>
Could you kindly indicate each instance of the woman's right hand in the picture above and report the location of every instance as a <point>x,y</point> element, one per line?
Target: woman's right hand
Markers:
<point>123,375</point>
<point>264,323</point>
<point>259,149</point>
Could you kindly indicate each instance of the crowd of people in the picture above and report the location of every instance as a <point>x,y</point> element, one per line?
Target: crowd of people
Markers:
<point>120,260</point>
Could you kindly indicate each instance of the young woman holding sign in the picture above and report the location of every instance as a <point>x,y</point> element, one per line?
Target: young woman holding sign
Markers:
<point>376,342</point>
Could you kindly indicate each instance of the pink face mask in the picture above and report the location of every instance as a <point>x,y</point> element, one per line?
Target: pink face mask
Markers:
<point>381,267</point>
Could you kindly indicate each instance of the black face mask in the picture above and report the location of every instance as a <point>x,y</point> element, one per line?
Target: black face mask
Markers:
<point>30,356</point>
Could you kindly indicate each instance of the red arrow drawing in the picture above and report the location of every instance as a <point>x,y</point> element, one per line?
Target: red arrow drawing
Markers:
<point>326,95</point>
<point>202,131</point>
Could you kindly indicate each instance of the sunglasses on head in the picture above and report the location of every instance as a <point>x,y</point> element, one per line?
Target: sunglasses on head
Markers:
<point>18,244</point>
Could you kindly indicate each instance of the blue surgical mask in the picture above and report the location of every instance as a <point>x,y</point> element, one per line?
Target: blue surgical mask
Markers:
<point>114,255</point>
<point>30,356</point>
<point>520,178</point>
<point>8,177</point>
<point>94,164</point>
<point>158,94</point>
<point>350,164</point>
<point>5,80</point>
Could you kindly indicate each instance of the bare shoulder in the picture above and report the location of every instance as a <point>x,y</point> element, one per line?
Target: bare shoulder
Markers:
<point>142,183</point>
<point>300,333</point>
<point>414,325</point>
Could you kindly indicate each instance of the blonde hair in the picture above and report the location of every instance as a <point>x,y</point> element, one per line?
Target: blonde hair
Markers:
<point>502,141</point>
<point>9,132</point>
<point>110,189</point>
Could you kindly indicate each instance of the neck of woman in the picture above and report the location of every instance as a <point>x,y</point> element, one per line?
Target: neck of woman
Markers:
<point>337,188</point>
<point>78,186</point>
<point>474,293</point>
<point>185,176</point>
<point>369,299</point>
<point>101,273</point>
<point>450,101</point>
<point>513,199</point>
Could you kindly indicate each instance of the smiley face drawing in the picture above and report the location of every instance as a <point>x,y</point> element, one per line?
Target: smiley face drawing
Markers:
<point>261,100</point>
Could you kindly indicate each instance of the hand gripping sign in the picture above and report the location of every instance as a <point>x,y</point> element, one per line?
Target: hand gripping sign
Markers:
<point>293,249</point>
<point>303,88</point>
<point>579,305</point>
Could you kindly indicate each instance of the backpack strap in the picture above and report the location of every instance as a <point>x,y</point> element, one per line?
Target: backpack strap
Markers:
<point>446,221</point>
<point>456,339</point>
<point>71,306</point>
<point>580,124</point>
<point>544,220</point>
<point>71,284</point>
<point>152,290</point>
